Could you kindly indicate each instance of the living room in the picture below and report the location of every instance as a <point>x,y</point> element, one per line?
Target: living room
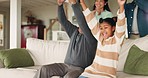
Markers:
<point>16,14</point>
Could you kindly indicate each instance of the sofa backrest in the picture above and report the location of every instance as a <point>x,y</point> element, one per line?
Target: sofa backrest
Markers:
<point>47,52</point>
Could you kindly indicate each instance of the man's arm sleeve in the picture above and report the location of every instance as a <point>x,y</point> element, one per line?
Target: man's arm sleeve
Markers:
<point>82,23</point>
<point>68,26</point>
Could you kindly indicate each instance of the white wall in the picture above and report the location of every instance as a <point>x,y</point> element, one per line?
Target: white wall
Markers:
<point>44,13</point>
<point>114,6</point>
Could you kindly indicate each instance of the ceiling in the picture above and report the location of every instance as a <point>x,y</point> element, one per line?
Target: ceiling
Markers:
<point>29,3</point>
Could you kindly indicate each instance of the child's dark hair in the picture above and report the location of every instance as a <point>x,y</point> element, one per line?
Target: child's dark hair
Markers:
<point>110,21</point>
<point>115,18</point>
<point>106,7</point>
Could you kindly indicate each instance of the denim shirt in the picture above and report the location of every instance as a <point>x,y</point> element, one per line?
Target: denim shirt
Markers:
<point>142,16</point>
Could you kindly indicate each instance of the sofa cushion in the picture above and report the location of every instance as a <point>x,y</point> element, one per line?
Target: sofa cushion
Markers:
<point>16,73</point>
<point>136,62</point>
<point>46,52</point>
<point>18,57</point>
<point>142,43</point>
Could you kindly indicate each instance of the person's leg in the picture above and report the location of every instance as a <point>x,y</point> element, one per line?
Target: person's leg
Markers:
<point>56,69</point>
<point>73,72</point>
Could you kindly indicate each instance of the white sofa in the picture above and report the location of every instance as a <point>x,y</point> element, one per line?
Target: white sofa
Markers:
<point>47,52</point>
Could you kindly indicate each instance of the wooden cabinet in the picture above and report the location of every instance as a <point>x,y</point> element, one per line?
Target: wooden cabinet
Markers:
<point>31,31</point>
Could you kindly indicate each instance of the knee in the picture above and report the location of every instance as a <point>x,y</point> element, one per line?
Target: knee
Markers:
<point>71,76</point>
<point>67,76</point>
<point>75,74</point>
<point>43,68</point>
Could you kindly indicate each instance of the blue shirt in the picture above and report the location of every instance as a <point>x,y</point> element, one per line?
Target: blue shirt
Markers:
<point>142,16</point>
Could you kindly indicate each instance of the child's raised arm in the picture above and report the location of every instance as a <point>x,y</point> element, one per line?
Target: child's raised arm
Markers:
<point>121,22</point>
<point>84,6</point>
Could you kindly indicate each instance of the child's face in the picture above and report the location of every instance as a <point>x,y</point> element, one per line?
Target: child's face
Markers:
<point>106,30</point>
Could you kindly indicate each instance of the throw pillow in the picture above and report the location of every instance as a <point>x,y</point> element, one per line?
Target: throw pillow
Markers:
<point>136,62</point>
<point>18,57</point>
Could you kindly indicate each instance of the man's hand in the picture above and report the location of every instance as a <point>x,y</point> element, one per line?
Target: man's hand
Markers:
<point>60,2</point>
<point>82,1</point>
<point>72,1</point>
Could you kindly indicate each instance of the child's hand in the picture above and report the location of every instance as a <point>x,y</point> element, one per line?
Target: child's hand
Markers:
<point>60,2</point>
<point>82,1</point>
<point>121,2</point>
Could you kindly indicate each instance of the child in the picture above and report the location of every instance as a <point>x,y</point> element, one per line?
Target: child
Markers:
<point>109,39</point>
